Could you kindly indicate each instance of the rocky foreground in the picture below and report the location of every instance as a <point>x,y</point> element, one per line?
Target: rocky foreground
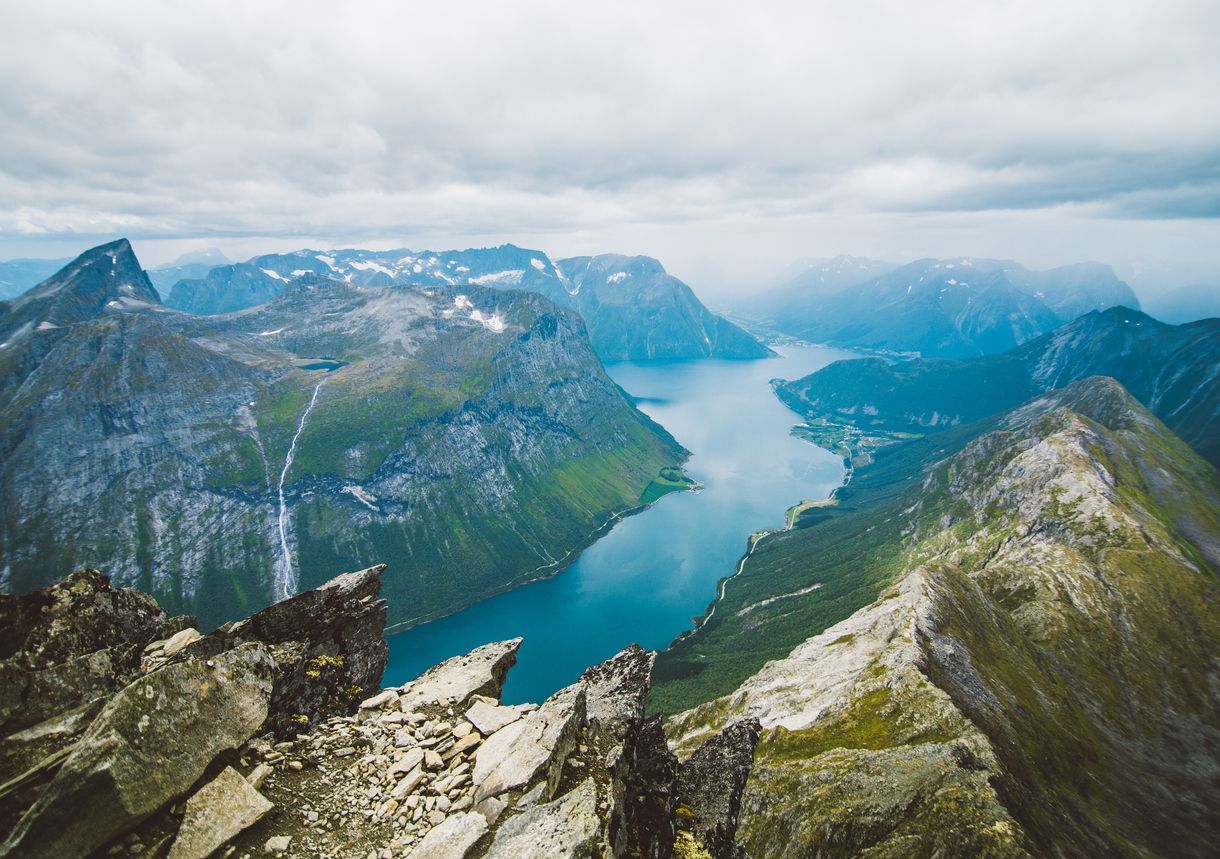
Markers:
<point>127,732</point>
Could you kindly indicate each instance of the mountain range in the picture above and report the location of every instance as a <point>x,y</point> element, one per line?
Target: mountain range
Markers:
<point>937,308</point>
<point>219,462</point>
<point>633,308</point>
<point>1173,370</point>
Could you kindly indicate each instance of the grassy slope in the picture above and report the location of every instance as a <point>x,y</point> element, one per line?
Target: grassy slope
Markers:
<point>852,550</point>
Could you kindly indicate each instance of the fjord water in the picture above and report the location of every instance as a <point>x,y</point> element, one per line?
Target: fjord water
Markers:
<point>647,578</point>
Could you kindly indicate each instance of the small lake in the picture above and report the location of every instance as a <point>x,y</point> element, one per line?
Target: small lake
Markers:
<point>647,578</point>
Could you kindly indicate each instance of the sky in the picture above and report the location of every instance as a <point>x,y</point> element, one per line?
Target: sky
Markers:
<point>728,140</point>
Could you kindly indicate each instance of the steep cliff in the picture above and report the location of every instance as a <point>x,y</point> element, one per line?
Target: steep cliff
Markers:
<point>1039,674</point>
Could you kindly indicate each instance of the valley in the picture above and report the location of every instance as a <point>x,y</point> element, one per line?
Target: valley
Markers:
<point>644,580</point>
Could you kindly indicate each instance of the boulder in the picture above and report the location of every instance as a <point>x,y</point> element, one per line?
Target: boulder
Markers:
<point>455,681</point>
<point>329,648</point>
<point>452,838</point>
<point>149,745</point>
<point>489,718</point>
<point>537,744</point>
<point>567,828</point>
<point>221,809</point>
<point>64,645</point>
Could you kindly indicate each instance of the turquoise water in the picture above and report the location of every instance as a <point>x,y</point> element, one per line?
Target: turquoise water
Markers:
<point>652,573</point>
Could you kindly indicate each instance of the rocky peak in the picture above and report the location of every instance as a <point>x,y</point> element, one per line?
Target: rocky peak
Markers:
<point>104,279</point>
<point>269,735</point>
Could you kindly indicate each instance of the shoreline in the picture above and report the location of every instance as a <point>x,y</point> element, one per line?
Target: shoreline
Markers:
<point>753,540</point>
<point>555,568</point>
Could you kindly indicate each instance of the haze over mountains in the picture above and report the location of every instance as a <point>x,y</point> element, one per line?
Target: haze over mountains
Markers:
<point>937,308</point>
<point>633,308</point>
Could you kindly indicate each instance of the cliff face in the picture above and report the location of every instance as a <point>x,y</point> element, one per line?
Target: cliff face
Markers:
<point>1040,677</point>
<point>220,462</point>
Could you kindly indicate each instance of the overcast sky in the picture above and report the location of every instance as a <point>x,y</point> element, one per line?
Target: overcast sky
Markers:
<point>725,139</point>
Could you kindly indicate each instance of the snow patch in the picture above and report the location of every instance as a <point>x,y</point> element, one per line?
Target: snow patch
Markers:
<point>618,277</point>
<point>330,261</point>
<point>538,264</point>
<point>511,276</point>
<point>275,274</point>
<point>46,326</point>
<point>269,333</point>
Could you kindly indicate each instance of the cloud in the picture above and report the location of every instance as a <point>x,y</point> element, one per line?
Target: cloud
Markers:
<point>386,119</point>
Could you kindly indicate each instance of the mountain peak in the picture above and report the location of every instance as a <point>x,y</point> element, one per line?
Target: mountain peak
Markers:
<point>102,279</point>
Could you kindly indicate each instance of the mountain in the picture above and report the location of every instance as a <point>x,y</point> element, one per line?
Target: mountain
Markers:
<point>217,462</point>
<point>952,308</point>
<point>653,316</point>
<point>1185,303</point>
<point>18,275</point>
<point>223,289</point>
<point>189,266</point>
<point>1002,641</point>
<point>104,279</point>
<point>635,310</point>
<point>1173,370</point>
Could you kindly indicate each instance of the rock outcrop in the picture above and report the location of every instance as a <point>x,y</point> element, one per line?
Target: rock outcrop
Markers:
<point>270,735</point>
<point>137,708</point>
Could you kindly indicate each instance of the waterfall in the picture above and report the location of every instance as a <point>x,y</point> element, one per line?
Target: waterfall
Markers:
<point>285,574</point>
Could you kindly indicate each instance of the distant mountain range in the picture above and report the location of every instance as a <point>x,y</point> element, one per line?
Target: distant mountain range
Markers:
<point>937,308</point>
<point>1173,370</point>
<point>191,265</point>
<point>633,308</point>
<point>466,435</point>
<point>18,275</point>
<point>1185,303</point>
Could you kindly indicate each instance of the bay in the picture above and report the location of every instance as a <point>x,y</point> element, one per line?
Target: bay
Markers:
<point>647,578</point>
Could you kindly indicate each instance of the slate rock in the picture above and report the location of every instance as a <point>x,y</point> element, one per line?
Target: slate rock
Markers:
<point>567,828</point>
<point>455,681</point>
<point>149,745</point>
<point>221,809</point>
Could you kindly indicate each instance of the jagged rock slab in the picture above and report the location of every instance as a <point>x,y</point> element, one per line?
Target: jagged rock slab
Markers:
<point>328,643</point>
<point>537,744</point>
<point>456,680</point>
<point>218,811</point>
<point>149,745</point>
<point>67,643</point>
<point>489,718</point>
<point>710,785</point>
<point>451,839</point>
<point>567,828</point>
<point>617,689</point>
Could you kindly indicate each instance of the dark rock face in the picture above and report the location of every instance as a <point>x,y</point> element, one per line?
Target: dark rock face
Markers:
<point>68,643</point>
<point>711,783</point>
<point>328,645</point>
<point>648,806</point>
